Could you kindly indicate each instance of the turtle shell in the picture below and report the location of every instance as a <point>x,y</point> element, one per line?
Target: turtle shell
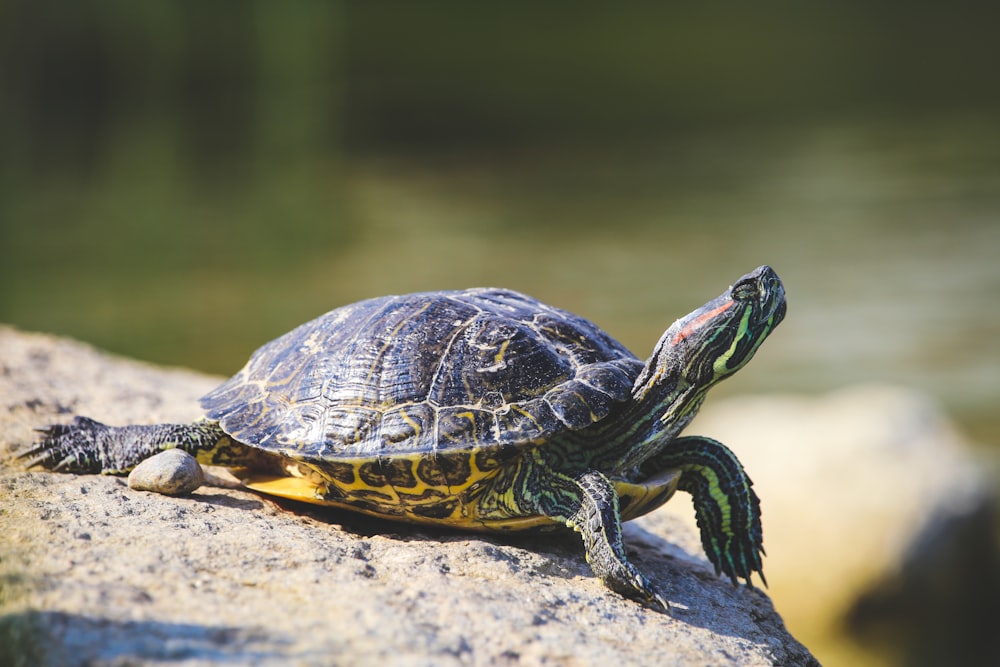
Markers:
<point>422,373</point>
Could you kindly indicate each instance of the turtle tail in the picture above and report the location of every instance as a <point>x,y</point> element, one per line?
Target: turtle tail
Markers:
<point>88,446</point>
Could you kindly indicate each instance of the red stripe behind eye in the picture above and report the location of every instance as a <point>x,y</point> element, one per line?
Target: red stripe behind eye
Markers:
<point>696,323</point>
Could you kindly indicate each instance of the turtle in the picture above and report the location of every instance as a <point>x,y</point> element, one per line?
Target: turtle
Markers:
<point>482,409</point>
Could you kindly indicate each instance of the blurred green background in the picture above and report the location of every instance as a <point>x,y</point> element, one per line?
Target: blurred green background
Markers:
<point>183,181</point>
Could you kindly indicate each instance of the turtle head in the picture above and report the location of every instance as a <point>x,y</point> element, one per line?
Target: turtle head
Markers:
<point>718,339</point>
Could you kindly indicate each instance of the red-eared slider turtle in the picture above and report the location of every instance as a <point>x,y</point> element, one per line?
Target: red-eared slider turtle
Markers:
<point>482,409</point>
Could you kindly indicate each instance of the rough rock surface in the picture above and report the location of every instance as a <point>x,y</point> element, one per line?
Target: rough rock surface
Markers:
<point>96,573</point>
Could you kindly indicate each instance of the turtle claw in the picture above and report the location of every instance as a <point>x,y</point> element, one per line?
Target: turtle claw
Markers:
<point>649,595</point>
<point>639,588</point>
<point>41,453</point>
<point>66,447</point>
<point>658,603</point>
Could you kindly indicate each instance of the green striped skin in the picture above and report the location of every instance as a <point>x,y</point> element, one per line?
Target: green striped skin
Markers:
<point>483,409</point>
<point>726,507</point>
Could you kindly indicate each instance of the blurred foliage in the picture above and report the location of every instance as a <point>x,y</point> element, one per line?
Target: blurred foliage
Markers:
<point>126,123</point>
<point>473,75</point>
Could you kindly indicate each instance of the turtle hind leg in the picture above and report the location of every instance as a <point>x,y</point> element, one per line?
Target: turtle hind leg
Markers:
<point>88,446</point>
<point>588,503</point>
<point>726,507</point>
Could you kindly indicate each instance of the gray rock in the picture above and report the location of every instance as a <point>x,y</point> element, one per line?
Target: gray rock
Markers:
<point>98,574</point>
<point>173,472</point>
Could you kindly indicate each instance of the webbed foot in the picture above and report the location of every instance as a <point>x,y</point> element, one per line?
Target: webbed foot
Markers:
<point>75,448</point>
<point>88,446</point>
<point>726,507</point>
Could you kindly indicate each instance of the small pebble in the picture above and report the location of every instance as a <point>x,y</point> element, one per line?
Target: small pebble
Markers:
<point>173,472</point>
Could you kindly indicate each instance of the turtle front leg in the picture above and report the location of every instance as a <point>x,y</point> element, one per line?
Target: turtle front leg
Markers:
<point>88,446</point>
<point>725,505</point>
<point>588,504</point>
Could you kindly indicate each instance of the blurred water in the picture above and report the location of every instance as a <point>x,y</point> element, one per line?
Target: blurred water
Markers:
<point>887,238</point>
<point>886,235</point>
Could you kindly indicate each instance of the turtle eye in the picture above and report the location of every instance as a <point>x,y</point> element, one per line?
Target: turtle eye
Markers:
<point>745,291</point>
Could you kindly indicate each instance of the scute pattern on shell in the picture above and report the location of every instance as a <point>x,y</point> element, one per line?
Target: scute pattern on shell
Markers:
<point>426,372</point>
